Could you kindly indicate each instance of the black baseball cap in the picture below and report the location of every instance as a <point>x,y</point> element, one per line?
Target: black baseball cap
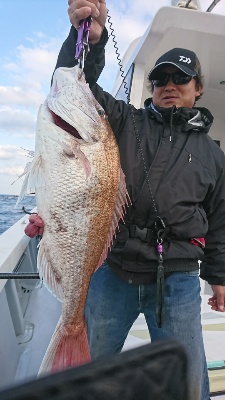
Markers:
<point>185,60</point>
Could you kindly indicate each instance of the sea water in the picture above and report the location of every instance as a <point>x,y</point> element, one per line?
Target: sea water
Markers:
<point>9,214</point>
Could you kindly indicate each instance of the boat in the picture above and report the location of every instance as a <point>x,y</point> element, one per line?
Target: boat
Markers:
<point>29,312</point>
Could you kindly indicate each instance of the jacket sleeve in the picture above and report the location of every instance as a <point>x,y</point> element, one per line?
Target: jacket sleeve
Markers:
<point>94,62</point>
<point>213,265</point>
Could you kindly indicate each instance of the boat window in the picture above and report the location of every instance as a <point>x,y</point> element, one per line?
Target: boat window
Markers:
<point>125,88</point>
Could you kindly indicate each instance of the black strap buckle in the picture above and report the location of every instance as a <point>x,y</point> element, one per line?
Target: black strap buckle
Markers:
<point>144,234</point>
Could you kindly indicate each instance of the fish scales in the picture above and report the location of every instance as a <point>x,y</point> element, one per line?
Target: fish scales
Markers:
<point>81,195</point>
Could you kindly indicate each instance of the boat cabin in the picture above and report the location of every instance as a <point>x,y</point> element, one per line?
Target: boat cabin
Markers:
<point>201,32</point>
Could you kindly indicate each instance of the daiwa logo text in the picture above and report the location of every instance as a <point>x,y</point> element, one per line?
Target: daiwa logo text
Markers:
<point>185,59</point>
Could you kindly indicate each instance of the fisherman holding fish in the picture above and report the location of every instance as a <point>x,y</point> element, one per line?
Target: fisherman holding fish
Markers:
<point>175,178</point>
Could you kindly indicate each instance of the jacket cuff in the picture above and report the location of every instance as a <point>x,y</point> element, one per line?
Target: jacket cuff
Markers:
<point>103,40</point>
<point>213,280</point>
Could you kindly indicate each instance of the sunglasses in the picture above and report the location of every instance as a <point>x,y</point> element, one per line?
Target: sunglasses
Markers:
<point>177,78</point>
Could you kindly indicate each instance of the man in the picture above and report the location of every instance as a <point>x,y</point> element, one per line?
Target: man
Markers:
<point>175,177</point>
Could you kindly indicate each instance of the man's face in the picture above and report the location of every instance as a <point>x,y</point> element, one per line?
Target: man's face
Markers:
<point>175,95</point>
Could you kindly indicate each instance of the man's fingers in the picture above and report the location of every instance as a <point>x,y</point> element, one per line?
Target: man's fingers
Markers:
<point>31,230</point>
<point>77,14</point>
<point>39,222</point>
<point>81,9</point>
<point>41,231</point>
<point>217,302</point>
<point>220,302</point>
<point>83,3</point>
<point>36,220</point>
<point>32,218</point>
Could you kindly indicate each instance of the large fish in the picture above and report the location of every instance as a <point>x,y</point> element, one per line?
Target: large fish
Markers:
<point>81,195</point>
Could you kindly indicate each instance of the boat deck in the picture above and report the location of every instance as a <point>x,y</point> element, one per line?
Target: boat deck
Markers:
<point>48,310</point>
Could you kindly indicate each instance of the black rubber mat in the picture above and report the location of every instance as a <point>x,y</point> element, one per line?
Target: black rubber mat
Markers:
<point>156,371</point>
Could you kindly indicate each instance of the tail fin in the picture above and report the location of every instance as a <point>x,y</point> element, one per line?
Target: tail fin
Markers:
<point>65,350</point>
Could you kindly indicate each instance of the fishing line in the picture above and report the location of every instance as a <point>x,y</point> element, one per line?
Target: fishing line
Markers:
<point>159,223</point>
<point>112,34</point>
<point>115,44</point>
<point>14,171</point>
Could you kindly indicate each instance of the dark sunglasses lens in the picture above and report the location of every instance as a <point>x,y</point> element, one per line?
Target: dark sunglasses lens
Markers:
<point>162,80</point>
<point>181,79</point>
<point>176,78</point>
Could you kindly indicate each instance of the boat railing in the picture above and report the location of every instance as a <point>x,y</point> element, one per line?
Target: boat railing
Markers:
<point>14,246</point>
<point>18,262</point>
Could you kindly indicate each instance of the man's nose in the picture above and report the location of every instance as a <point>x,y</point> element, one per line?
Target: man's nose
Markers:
<point>170,84</point>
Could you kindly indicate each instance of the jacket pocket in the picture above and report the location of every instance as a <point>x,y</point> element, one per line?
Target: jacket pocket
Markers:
<point>180,170</point>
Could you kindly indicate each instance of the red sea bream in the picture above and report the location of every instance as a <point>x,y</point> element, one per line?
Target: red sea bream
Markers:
<point>81,195</point>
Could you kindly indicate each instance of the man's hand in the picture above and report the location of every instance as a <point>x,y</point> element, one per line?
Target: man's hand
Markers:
<point>217,301</point>
<point>81,9</point>
<point>35,226</point>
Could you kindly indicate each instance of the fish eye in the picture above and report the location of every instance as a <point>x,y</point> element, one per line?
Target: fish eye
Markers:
<point>101,112</point>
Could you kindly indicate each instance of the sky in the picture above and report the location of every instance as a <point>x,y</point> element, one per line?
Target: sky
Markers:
<point>32,32</point>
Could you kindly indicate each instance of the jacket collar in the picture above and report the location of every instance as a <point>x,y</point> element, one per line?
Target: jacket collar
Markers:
<point>193,118</point>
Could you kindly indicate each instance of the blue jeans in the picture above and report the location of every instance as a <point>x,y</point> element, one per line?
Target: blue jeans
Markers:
<point>113,305</point>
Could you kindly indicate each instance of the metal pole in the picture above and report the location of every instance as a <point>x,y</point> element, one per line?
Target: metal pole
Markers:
<point>15,308</point>
<point>192,4</point>
<point>19,275</point>
<point>211,7</point>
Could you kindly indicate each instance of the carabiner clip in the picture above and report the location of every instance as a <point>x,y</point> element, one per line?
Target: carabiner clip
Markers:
<point>160,229</point>
<point>159,223</point>
<point>82,46</point>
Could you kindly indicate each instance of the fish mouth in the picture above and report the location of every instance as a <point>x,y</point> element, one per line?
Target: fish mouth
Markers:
<point>64,125</point>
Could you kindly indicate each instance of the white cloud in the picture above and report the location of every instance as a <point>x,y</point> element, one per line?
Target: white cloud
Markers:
<point>16,122</point>
<point>14,153</point>
<point>36,65</point>
<point>125,23</point>
<point>21,96</point>
<point>30,72</point>
<point>12,172</point>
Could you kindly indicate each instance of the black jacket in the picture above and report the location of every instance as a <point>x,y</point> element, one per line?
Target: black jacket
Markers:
<point>185,173</point>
